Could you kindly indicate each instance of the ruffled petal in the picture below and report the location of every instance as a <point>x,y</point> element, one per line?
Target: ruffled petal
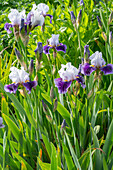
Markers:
<point>11,88</point>
<point>61,85</point>
<point>29,85</point>
<point>46,49</point>
<point>61,47</point>
<point>87,69</point>
<point>7,28</point>
<point>108,69</point>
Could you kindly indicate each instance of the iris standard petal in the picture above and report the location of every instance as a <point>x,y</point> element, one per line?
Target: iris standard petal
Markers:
<point>29,85</point>
<point>61,85</point>
<point>81,80</point>
<point>7,27</point>
<point>61,47</point>
<point>46,49</point>
<point>11,88</point>
<point>108,69</point>
<point>87,69</point>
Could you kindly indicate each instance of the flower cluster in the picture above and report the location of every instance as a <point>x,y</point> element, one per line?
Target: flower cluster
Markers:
<point>19,78</point>
<point>24,24</point>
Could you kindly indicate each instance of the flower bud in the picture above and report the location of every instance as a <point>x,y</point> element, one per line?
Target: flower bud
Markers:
<point>110,18</point>
<point>51,93</point>
<point>110,38</point>
<point>31,66</point>
<point>104,36</point>
<point>39,50</point>
<point>99,22</point>
<point>55,105</point>
<point>79,18</point>
<point>20,59</point>
<point>86,53</point>
<point>63,124</point>
<point>73,18</point>
<point>44,107</point>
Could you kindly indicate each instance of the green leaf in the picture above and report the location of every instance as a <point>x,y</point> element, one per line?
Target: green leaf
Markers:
<point>61,109</point>
<point>68,158</point>
<point>53,158</point>
<point>75,159</point>
<point>108,142</point>
<point>20,159</point>
<point>47,144</point>
<point>98,162</point>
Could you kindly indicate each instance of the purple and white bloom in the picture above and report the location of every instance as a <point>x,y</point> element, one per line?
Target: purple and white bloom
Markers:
<point>43,8</point>
<point>68,73</point>
<point>37,18</point>
<point>54,43</point>
<point>1,121</point>
<point>97,62</point>
<point>15,16</point>
<point>19,77</point>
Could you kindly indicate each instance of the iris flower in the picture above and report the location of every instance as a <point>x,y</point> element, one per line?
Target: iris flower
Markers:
<point>1,121</point>
<point>19,20</point>
<point>54,43</point>
<point>97,63</point>
<point>15,17</point>
<point>68,73</point>
<point>19,77</point>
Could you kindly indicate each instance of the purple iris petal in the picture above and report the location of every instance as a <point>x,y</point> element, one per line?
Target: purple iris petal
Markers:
<point>7,27</point>
<point>81,80</point>
<point>30,85</point>
<point>39,48</point>
<point>61,47</point>
<point>51,17</point>
<point>46,49</point>
<point>108,69</point>
<point>61,85</point>
<point>11,88</point>
<point>87,69</point>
